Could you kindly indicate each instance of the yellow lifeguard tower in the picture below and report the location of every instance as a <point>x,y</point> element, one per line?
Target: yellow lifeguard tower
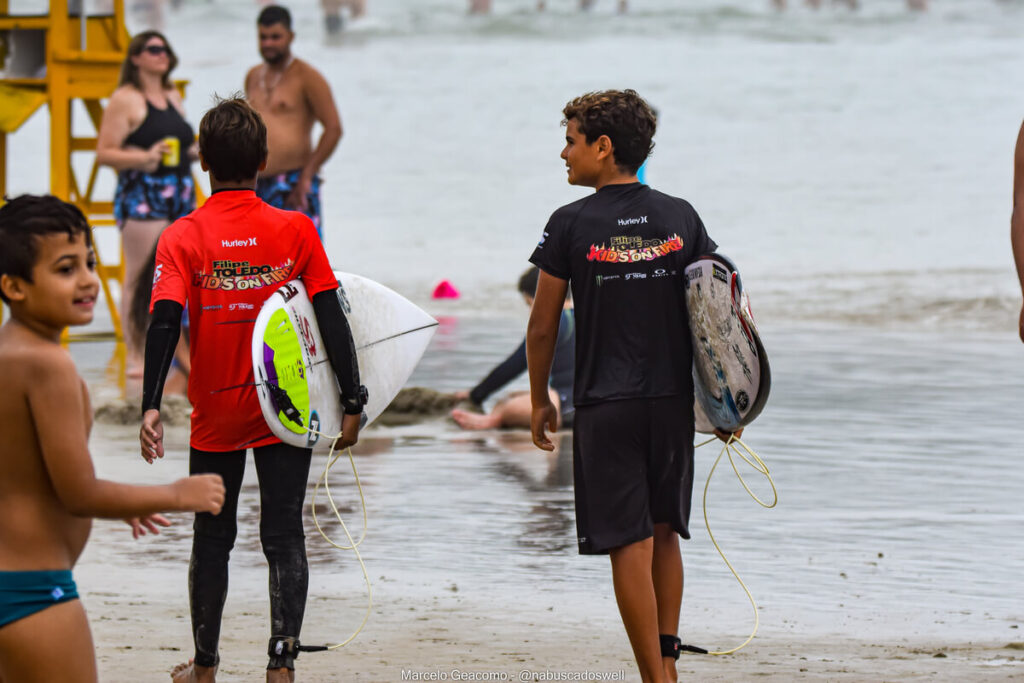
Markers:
<point>54,59</point>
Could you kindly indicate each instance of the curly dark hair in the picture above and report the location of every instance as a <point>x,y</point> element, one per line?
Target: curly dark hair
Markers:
<point>622,115</point>
<point>24,219</point>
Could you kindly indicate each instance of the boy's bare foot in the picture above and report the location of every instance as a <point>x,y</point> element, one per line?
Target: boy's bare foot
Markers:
<point>188,672</point>
<point>281,675</point>
<point>468,420</point>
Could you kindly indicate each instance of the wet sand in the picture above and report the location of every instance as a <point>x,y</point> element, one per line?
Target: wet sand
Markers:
<point>141,641</point>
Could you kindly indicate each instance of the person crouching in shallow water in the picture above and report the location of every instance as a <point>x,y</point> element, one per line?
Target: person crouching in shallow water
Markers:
<point>144,136</point>
<point>514,411</point>
<point>235,226</point>
<point>49,492</point>
<point>623,249</point>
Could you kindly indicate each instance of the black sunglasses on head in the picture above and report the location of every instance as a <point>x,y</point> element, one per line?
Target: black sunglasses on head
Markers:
<point>155,49</point>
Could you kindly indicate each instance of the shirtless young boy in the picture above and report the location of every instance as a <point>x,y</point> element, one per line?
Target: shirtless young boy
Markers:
<point>49,490</point>
<point>291,96</point>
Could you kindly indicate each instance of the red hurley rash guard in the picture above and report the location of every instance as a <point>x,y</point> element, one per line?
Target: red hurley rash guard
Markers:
<point>223,260</point>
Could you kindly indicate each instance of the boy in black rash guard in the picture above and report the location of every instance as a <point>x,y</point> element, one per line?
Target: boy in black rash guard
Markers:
<point>623,249</point>
<point>234,226</point>
<point>515,410</point>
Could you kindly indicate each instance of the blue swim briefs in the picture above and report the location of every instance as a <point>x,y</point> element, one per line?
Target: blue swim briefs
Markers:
<point>274,190</point>
<point>23,594</point>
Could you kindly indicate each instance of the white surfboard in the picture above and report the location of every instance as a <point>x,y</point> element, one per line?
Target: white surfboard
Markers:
<point>296,385</point>
<point>731,375</point>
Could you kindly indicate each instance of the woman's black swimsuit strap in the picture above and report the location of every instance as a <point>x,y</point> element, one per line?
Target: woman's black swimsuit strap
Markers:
<point>160,124</point>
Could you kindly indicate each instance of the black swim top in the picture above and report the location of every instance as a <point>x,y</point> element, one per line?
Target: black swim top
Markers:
<point>160,124</point>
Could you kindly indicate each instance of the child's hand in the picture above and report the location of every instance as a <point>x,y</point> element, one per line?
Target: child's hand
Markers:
<point>200,493</point>
<point>140,524</point>
<point>544,416</point>
<point>151,436</point>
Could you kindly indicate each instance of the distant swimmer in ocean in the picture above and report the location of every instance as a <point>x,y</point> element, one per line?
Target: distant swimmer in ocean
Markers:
<point>144,136</point>
<point>333,22</point>
<point>515,410</point>
<point>222,262</point>
<point>1017,218</point>
<point>623,249</point>
<point>49,491</point>
<point>852,4</point>
<point>585,4</point>
<point>291,96</point>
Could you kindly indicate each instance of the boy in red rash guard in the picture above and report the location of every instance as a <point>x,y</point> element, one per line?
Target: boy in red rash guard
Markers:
<point>223,261</point>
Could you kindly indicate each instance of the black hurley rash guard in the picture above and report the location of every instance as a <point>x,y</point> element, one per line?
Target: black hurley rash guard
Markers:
<point>623,249</point>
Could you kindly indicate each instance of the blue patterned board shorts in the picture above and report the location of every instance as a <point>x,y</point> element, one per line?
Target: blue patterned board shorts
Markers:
<point>149,196</point>
<point>274,190</point>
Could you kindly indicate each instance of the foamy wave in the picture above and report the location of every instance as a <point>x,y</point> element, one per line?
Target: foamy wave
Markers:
<point>968,299</point>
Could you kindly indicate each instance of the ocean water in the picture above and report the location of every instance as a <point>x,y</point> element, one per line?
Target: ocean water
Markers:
<point>856,165</point>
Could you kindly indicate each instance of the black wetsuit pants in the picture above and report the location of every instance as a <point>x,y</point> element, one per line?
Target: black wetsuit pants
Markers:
<point>282,471</point>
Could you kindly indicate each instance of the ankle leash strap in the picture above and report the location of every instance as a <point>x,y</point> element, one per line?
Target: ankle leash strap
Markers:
<point>671,646</point>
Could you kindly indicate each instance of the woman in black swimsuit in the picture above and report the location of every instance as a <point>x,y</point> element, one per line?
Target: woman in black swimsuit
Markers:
<point>145,137</point>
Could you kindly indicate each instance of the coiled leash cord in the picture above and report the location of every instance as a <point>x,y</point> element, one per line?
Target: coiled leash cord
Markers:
<point>287,645</point>
<point>758,464</point>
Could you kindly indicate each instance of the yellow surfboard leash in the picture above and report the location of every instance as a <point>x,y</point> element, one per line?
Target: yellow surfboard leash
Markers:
<point>353,545</point>
<point>752,459</point>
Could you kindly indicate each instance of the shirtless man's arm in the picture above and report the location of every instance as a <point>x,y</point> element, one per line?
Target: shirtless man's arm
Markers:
<point>58,404</point>
<point>321,104</point>
<point>1017,218</point>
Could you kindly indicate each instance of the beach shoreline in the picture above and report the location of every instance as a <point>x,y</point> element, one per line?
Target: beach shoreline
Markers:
<point>457,638</point>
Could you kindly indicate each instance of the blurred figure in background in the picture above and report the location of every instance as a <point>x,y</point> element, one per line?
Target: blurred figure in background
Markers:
<point>145,138</point>
<point>333,22</point>
<point>584,4</point>
<point>852,4</point>
<point>291,96</point>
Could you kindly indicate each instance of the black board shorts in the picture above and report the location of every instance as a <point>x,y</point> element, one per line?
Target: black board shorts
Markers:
<point>633,467</point>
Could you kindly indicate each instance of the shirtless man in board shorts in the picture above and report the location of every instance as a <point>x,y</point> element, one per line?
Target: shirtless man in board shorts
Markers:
<point>291,96</point>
